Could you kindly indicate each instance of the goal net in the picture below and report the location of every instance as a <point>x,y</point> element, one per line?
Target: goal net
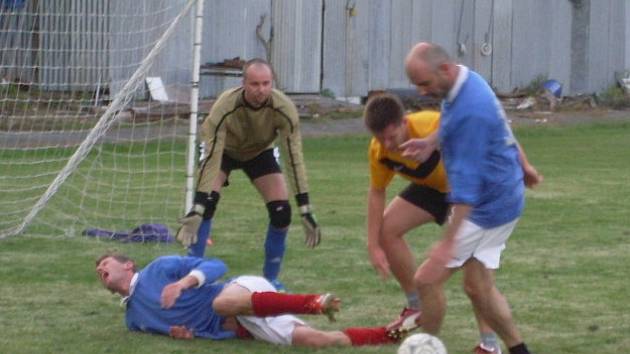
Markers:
<point>94,112</point>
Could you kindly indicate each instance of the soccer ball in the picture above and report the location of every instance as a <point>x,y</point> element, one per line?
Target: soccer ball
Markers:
<point>422,343</point>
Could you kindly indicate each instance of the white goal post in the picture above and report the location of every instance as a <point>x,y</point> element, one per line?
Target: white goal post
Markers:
<point>87,138</point>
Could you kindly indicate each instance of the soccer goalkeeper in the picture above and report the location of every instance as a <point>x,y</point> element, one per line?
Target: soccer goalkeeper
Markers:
<point>239,133</point>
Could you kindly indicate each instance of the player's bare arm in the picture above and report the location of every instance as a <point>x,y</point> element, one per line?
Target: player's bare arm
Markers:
<point>531,176</point>
<point>376,207</point>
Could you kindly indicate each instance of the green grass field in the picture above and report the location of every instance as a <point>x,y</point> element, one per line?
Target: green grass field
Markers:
<point>564,271</point>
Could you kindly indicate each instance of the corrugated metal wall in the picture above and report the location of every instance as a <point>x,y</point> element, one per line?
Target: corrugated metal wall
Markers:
<point>627,34</point>
<point>606,42</point>
<point>229,31</point>
<point>344,54</point>
<point>540,43</point>
<point>521,41</point>
<point>294,43</point>
<point>347,46</point>
<point>79,45</point>
<point>18,44</point>
<point>72,43</point>
<point>297,39</point>
<point>135,27</point>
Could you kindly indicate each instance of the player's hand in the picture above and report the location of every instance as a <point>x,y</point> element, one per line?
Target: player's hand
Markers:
<point>170,294</point>
<point>187,233</point>
<point>379,261</point>
<point>312,232</point>
<point>531,177</point>
<point>180,332</point>
<point>418,149</point>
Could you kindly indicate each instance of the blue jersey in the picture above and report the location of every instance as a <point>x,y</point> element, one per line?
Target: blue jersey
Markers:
<point>193,309</point>
<point>480,153</point>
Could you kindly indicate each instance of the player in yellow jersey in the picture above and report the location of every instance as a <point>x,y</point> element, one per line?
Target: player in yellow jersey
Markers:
<point>422,201</point>
<point>240,133</point>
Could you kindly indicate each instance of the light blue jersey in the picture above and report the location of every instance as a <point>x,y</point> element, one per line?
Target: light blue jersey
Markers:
<point>480,153</point>
<point>193,309</point>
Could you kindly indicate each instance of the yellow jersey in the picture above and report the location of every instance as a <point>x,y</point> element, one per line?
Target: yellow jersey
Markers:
<point>384,164</point>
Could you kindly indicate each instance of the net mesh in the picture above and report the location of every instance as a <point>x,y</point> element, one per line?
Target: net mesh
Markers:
<point>94,105</point>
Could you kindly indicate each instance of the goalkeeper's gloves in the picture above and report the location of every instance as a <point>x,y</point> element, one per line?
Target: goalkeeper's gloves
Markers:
<point>187,233</point>
<point>203,207</point>
<point>312,231</point>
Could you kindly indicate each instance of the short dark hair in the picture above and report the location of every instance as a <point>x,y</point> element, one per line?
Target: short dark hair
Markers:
<point>257,61</point>
<point>382,110</point>
<point>120,257</point>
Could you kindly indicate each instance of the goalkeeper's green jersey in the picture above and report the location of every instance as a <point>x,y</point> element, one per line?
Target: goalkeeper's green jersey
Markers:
<point>240,131</point>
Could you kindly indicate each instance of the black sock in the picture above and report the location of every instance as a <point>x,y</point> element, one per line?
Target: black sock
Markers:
<point>519,349</point>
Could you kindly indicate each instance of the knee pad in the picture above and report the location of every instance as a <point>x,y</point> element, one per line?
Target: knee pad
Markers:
<point>279,213</point>
<point>209,201</point>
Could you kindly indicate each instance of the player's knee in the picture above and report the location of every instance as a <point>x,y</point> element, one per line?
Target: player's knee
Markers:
<point>476,290</point>
<point>419,282</point>
<point>394,227</point>
<point>279,213</point>
<point>209,201</point>
<point>423,284</point>
<point>390,231</point>
<point>471,290</point>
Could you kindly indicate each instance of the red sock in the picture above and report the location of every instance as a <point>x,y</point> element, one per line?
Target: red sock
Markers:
<point>242,332</point>
<point>274,304</point>
<point>368,336</point>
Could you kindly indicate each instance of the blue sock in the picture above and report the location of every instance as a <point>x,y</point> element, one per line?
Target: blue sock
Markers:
<point>275,244</point>
<point>413,300</point>
<point>489,340</point>
<point>198,248</point>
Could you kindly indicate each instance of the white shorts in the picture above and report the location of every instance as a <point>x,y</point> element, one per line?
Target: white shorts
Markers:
<point>277,329</point>
<point>485,245</point>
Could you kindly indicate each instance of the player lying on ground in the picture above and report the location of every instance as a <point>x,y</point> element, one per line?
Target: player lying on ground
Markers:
<point>168,297</point>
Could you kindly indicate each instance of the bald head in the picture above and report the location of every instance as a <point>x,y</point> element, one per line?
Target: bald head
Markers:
<point>431,69</point>
<point>429,54</point>
<point>257,65</point>
<point>257,82</point>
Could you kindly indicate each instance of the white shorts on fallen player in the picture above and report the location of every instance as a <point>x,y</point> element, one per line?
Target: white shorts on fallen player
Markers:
<point>277,329</point>
<point>485,245</point>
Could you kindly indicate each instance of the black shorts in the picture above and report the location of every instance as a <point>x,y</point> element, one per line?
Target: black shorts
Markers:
<point>428,199</point>
<point>263,164</point>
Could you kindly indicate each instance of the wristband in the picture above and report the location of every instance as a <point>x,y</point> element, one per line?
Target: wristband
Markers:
<point>302,199</point>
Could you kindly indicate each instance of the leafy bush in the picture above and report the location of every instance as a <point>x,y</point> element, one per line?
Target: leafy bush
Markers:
<point>614,97</point>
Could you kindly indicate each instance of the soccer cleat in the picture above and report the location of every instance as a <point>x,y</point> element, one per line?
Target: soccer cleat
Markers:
<point>406,322</point>
<point>326,304</point>
<point>481,349</point>
<point>403,314</point>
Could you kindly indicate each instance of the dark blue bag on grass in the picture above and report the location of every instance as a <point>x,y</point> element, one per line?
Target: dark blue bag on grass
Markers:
<point>145,233</point>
